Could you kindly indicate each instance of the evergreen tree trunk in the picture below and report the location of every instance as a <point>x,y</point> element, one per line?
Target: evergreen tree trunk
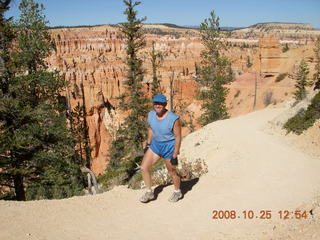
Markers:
<point>255,92</point>
<point>172,93</point>
<point>92,180</point>
<point>18,187</point>
<point>85,130</point>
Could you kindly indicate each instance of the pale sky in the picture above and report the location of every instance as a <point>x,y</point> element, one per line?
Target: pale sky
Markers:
<point>232,13</point>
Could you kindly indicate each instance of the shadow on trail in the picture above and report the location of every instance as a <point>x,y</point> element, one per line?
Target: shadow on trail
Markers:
<point>185,187</point>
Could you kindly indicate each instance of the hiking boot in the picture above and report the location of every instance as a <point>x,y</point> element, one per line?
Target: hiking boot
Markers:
<point>146,197</point>
<point>175,196</point>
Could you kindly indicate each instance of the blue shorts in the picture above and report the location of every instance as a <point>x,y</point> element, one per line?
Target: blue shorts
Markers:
<point>163,149</point>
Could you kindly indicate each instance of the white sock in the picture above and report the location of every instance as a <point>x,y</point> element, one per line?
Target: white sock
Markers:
<point>177,191</point>
<point>149,190</point>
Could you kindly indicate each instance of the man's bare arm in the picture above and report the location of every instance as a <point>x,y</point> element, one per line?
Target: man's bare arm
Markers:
<point>177,133</point>
<point>149,138</point>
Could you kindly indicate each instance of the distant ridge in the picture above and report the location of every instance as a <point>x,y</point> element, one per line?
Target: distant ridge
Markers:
<point>77,26</point>
<point>261,26</point>
<point>284,25</point>
<point>222,28</point>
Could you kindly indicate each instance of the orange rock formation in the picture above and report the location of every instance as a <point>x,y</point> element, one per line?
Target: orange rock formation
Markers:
<point>94,57</point>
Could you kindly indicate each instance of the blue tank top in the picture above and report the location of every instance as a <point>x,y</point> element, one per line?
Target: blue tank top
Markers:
<point>162,130</point>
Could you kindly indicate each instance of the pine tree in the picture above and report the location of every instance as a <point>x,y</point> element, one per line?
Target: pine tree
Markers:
<point>36,147</point>
<point>85,131</point>
<point>76,117</point>
<point>316,76</point>
<point>302,81</point>
<point>156,59</point>
<point>214,73</point>
<point>127,146</point>
<point>79,127</point>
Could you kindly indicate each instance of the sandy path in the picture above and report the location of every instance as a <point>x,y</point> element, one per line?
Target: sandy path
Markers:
<point>249,169</point>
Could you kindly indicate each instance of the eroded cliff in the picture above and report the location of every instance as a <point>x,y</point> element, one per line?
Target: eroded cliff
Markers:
<point>94,57</point>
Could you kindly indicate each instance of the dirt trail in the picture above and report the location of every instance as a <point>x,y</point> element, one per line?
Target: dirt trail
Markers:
<point>249,169</point>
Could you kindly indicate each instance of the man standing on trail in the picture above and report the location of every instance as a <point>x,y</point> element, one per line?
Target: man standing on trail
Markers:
<point>164,140</point>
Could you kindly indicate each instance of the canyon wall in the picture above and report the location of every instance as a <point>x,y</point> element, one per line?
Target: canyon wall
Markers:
<point>93,57</point>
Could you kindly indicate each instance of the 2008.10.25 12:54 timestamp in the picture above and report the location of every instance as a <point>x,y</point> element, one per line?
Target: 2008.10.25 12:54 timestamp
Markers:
<point>262,214</point>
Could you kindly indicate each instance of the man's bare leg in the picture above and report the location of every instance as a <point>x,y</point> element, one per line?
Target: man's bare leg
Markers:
<point>177,194</point>
<point>148,160</point>
<point>173,173</point>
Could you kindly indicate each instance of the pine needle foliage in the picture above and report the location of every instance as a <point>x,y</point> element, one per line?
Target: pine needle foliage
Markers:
<point>302,81</point>
<point>305,118</point>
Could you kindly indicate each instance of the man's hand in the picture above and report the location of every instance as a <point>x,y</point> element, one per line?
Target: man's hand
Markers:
<point>174,161</point>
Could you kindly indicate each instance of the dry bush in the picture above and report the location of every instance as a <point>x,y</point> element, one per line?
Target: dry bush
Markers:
<point>190,170</point>
<point>186,169</point>
<point>160,176</point>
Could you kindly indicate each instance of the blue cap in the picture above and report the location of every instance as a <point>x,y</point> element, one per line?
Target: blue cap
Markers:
<point>159,98</point>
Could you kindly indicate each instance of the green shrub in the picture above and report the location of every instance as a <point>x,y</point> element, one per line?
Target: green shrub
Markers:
<point>285,48</point>
<point>7,196</point>
<point>112,177</point>
<point>53,192</point>
<point>304,119</point>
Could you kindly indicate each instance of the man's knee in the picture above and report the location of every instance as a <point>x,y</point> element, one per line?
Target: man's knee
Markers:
<point>145,168</point>
<point>172,171</point>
